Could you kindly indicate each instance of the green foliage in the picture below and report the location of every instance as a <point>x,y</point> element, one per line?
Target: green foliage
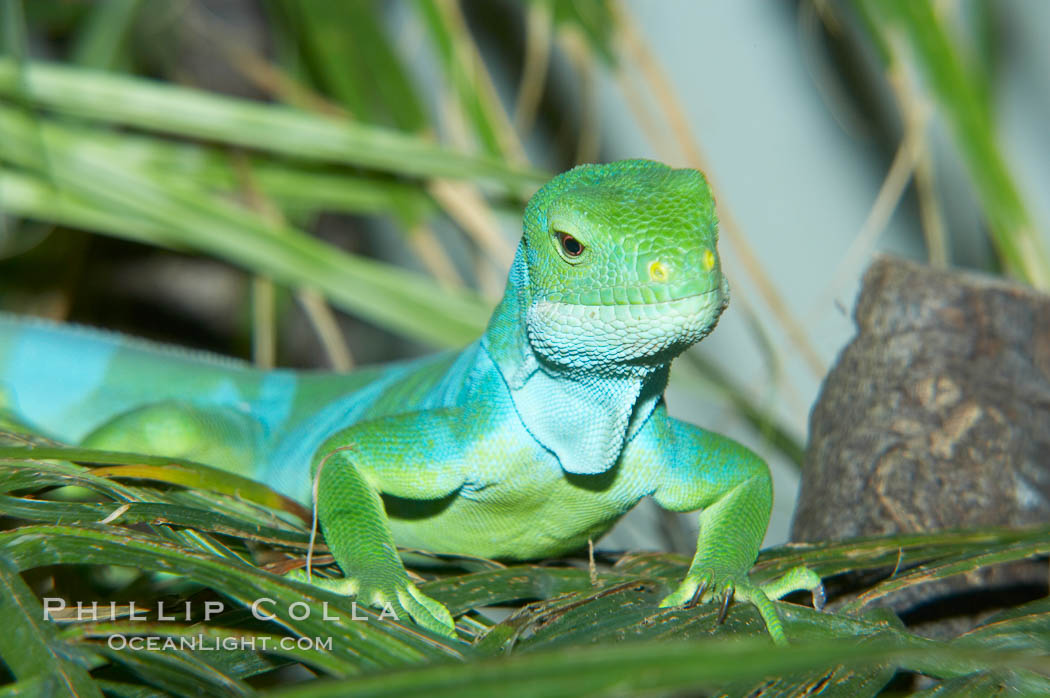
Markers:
<point>915,34</point>
<point>572,629</point>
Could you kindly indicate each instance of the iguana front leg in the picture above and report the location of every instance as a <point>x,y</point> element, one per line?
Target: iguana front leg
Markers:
<point>411,456</point>
<point>733,486</point>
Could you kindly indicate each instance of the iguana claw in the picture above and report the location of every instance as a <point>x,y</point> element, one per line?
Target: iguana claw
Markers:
<point>697,595</point>
<point>705,588</point>
<point>728,599</point>
<point>819,596</point>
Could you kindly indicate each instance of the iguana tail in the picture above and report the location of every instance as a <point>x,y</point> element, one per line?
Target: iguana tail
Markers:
<point>68,380</point>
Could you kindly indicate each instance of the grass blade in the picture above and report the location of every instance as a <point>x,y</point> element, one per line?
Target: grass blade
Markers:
<point>963,105</point>
<point>278,129</point>
<point>29,646</point>
<point>634,668</point>
<point>179,214</point>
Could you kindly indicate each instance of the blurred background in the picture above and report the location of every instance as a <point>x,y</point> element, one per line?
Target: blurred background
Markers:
<point>322,184</point>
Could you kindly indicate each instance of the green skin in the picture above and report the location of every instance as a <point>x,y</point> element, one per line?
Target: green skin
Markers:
<point>528,443</point>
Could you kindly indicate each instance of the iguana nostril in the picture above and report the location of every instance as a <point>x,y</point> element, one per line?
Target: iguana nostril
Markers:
<point>658,271</point>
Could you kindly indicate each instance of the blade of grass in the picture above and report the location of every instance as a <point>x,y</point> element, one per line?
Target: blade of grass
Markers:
<point>270,128</point>
<point>989,683</point>
<point>45,511</point>
<point>175,671</point>
<point>184,216</point>
<point>950,567</point>
<point>349,50</point>
<point>29,646</point>
<point>1030,631</point>
<point>468,208</point>
<point>169,470</point>
<point>102,39</point>
<point>496,587</point>
<point>26,473</point>
<point>372,644</point>
<point>898,552</point>
<point>35,685</point>
<point>539,29</point>
<point>323,661</point>
<point>466,73</point>
<point>13,29</point>
<point>961,96</point>
<point>292,185</point>
<point>634,668</point>
<point>594,19</point>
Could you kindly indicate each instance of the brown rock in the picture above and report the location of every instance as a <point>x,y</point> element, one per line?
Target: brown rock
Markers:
<point>936,416</point>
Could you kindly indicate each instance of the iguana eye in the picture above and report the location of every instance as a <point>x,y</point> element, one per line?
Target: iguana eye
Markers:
<point>572,246</point>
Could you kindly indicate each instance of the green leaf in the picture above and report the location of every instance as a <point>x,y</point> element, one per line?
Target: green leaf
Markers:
<point>193,113</point>
<point>593,19</point>
<point>636,668</point>
<point>348,48</point>
<point>169,470</point>
<point>35,685</point>
<point>896,552</point>
<point>990,683</point>
<point>1026,626</point>
<point>468,77</point>
<point>176,671</point>
<point>496,587</point>
<point>29,646</point>
<point>371,643</point>
<point>232,663</point>
<point>963,104</point>
<point>952,566</point>
<point>178,214</point>
<point>102,40</point>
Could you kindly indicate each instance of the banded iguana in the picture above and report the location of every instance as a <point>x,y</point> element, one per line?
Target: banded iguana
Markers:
<point>528,443</point>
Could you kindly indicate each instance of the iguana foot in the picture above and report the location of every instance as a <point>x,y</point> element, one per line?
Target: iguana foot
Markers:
<point>424,610</point>
<point>707,587</point>
<point>401,595</point>
<point>797,579</point>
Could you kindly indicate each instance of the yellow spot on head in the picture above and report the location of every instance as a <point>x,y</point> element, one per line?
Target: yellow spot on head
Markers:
<point>709,260</point>
<point>657,271</point>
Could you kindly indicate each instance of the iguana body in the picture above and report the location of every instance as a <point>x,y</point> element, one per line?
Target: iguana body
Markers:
<point>527,443</point>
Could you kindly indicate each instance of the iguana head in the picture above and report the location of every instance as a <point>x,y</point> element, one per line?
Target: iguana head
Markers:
<point>622,264</point>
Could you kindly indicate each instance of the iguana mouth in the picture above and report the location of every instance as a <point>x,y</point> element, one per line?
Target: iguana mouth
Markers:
<point>636,296</point>
<point>625,311</point>
<point>574,333</point>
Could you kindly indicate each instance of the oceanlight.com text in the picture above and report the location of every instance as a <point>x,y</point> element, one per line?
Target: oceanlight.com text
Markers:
<point>204,643</point>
